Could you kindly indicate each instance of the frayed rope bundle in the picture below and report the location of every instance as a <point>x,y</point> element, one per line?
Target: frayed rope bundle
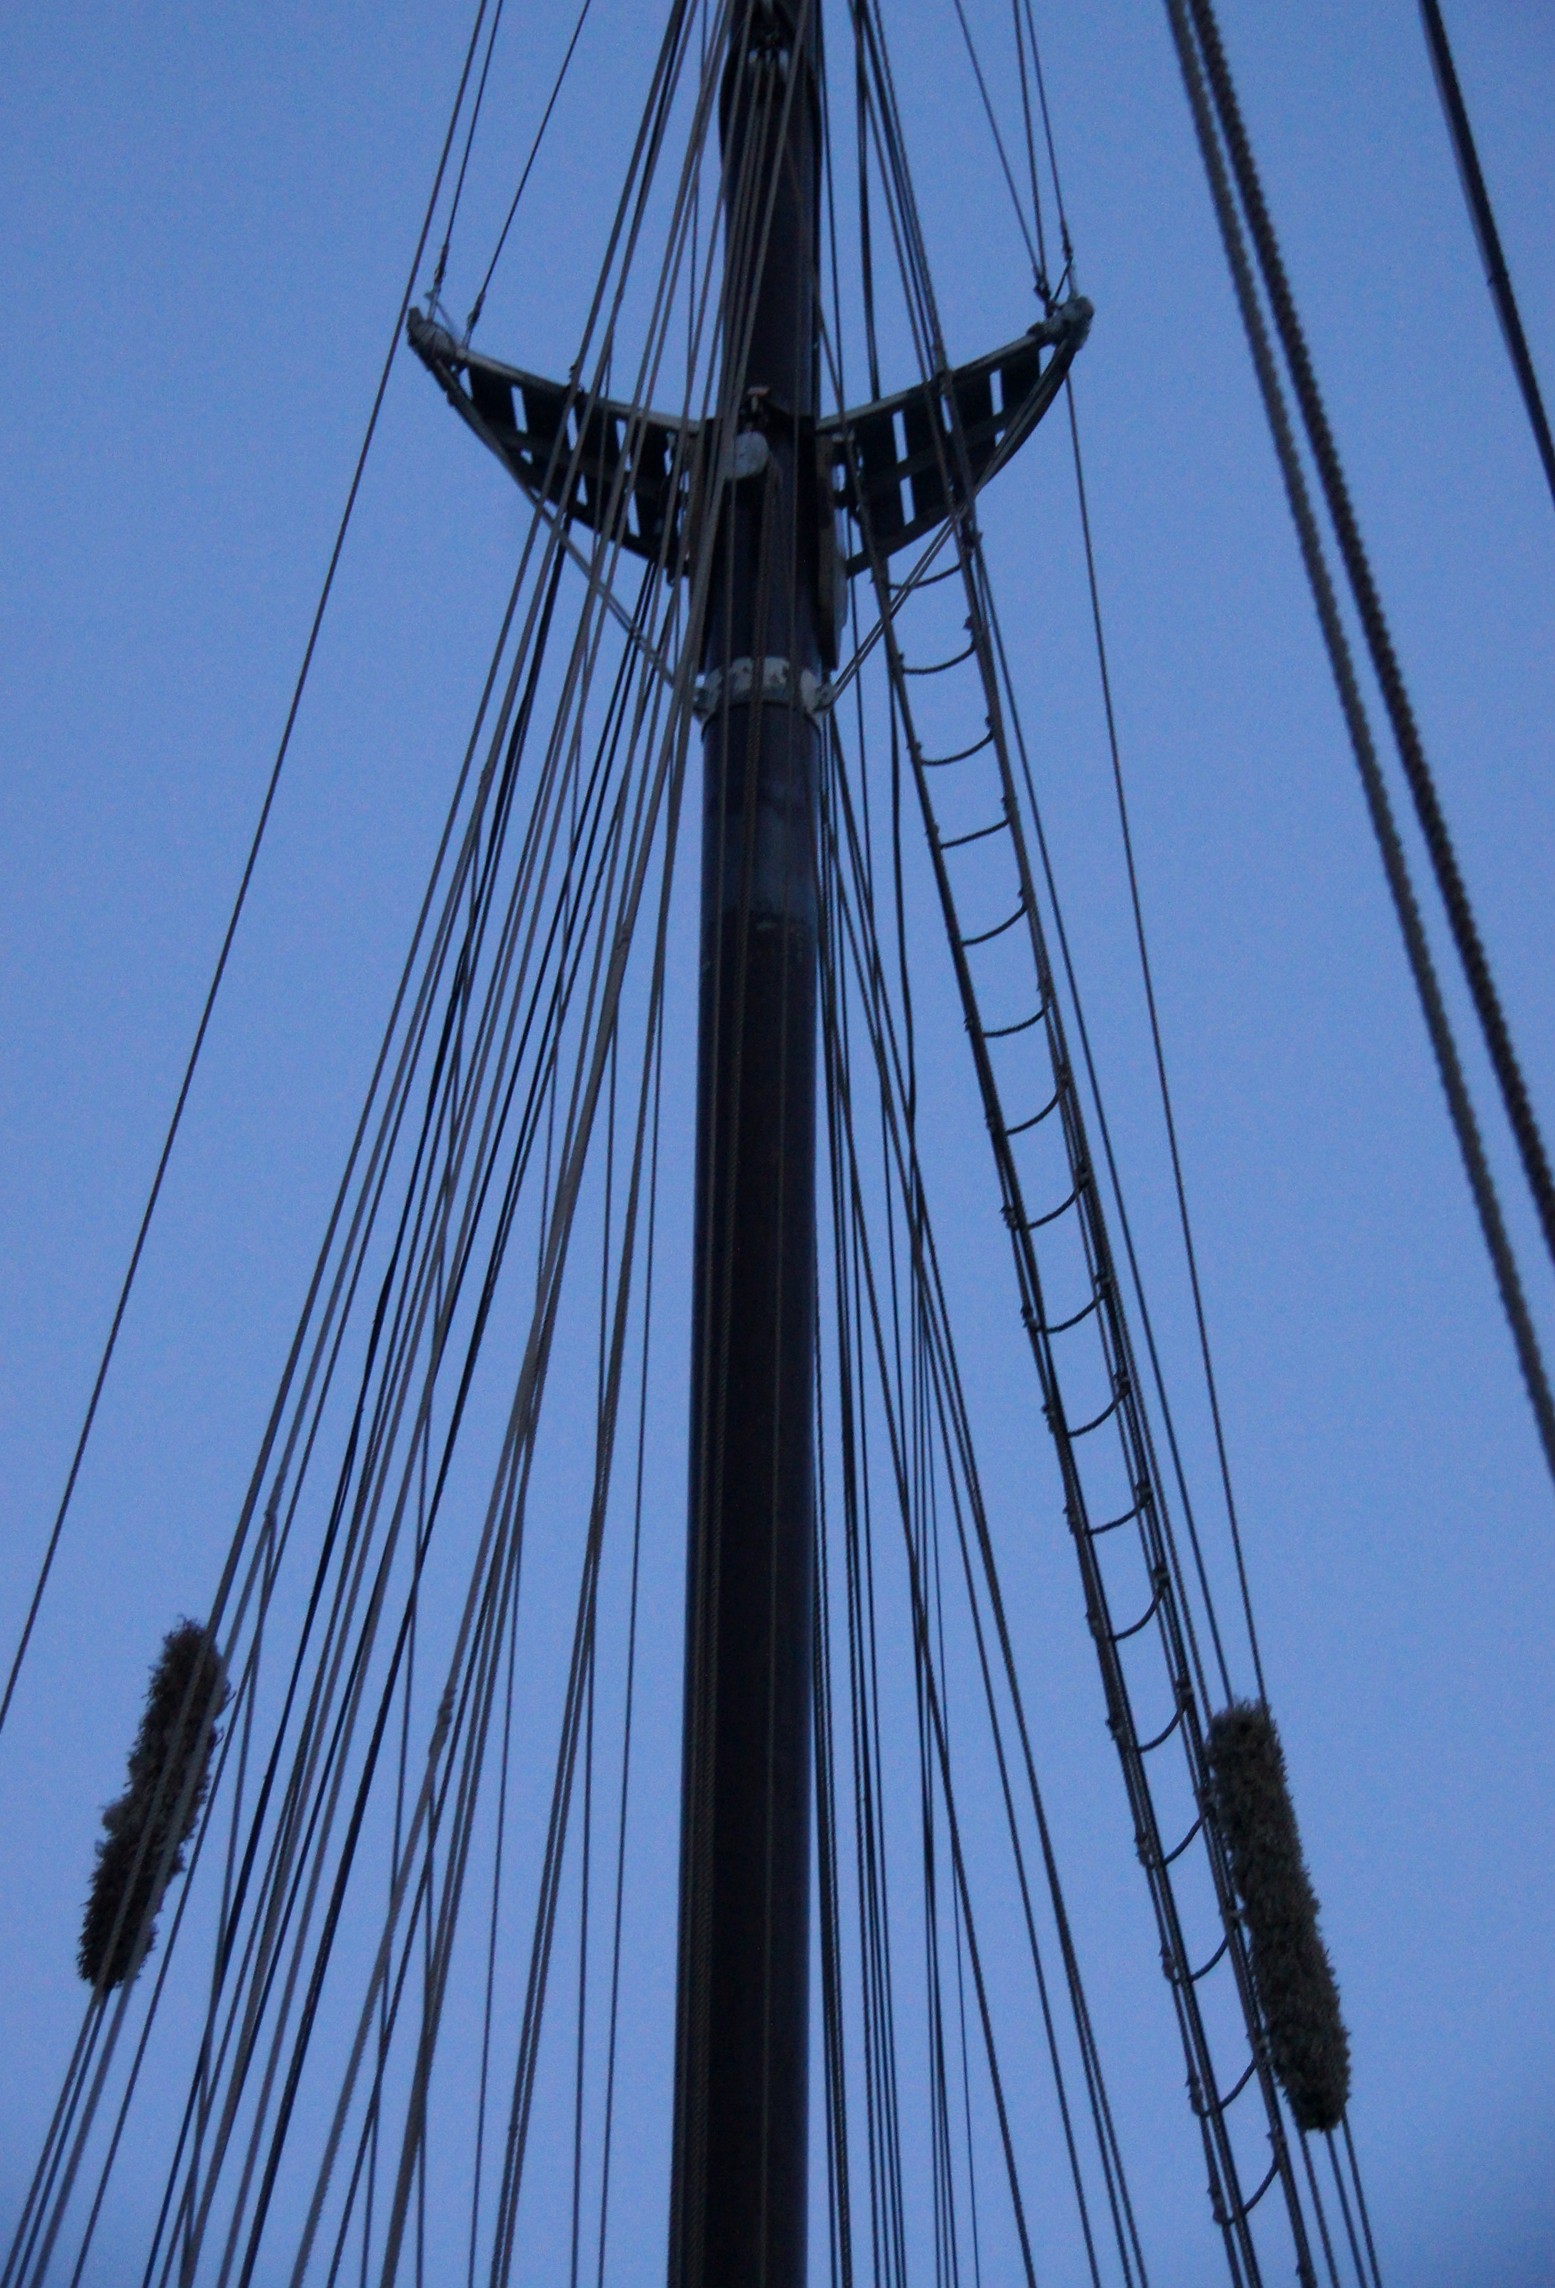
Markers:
<point>147,1828</point>
<point>1308,2046</point>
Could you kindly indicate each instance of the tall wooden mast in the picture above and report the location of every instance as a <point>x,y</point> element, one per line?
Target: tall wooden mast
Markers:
<point>738,2211</point>
<point>747,503</point>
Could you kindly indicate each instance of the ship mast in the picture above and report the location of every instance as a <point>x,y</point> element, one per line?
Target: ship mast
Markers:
<point>738,2204</point>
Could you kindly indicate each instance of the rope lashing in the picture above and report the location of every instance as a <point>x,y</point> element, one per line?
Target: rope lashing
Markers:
<point>1297,1992</point>
<point>146,1828</point>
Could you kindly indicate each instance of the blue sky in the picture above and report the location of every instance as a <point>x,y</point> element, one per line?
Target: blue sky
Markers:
<point>209,214</point>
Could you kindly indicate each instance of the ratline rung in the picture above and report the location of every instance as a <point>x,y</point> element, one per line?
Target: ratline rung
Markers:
<point>985,937</point>
<point>1007,1032</point>
<point>1219,1954</point>
<point>1095,1532</point>
<point>1244,2210</point>
<point>1121,1636</point>
<point>1053,1214</point>
<point>942,666</point>
<point>978,833</point>
<point>1062,1327</point>
<point>1084,1429</point>
<point>1020,1128</point>
<point>1219,2105</point>
<point>961,755</point>
<point>1149,1747</point>
<point>901,588</point>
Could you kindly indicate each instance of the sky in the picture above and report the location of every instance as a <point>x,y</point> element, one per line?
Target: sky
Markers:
<point>209,214</point>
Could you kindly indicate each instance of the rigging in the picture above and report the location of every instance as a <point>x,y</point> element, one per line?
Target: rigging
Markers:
<point>1240,207</point>
<point>432,1605</point>
<point>1482,214</point>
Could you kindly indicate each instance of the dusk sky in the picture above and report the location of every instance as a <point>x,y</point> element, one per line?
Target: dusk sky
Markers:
<point>209,213</point>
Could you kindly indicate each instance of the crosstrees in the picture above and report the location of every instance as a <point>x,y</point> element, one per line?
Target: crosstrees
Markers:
<point>883,465</point>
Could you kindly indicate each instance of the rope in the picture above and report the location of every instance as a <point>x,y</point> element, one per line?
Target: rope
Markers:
<point>251,861</point>
<point>479,303</point>
<point>456,201</point>
<point>1169,1602</point>
<point>1481,213</point>
<point>1379,641</point>
<point>507,1157</point>
<point>1147,975</point>
<point>1034,252</point>
<point>857,935</point>
<point>1395,864</point>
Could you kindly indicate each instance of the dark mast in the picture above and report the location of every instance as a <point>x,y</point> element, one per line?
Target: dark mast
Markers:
<point>738,2208</point>
<point>768,478</point>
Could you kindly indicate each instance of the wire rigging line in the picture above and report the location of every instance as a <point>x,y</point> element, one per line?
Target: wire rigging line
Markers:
<point>1481,213</point>
<point>1147,974</point>
<point>401,1795</point>
<point>1196,68</point>
<point>479,303</point>
<point>1030,140</point>
<point>630,1681</point>
<point>1145,1508</point>
<point>570,907</point>
<point>545,1303</point>
<point>464,162</point>
<point>244,881</point>
<point>1023,11</point>
<point>935,1367</point>
<point>1025,40</point>
<point>1034,254</point>
<point>437,958</point>
<point>1026,36</point>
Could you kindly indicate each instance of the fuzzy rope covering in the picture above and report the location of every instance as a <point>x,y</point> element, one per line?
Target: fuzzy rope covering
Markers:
<point>142,1848</point>
<point>1297,1993</point>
